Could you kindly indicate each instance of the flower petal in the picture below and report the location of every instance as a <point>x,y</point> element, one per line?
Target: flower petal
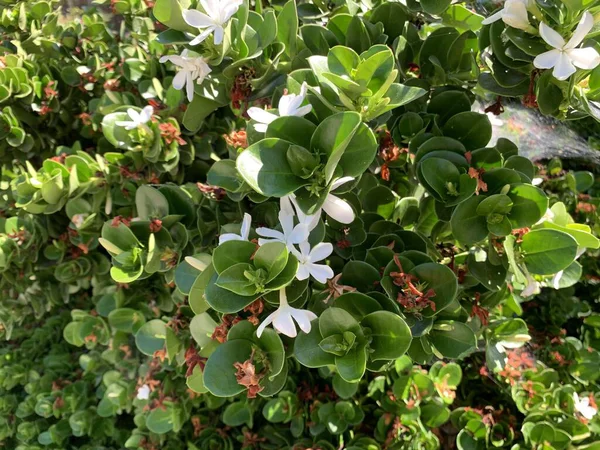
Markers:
<point>284,104</point>
<point>269,233</point>
<point>303,318</point>
<point>245,231</point>
<point>515,15</point>
<point>261,116</point>
<point>299,234</point>
<point>303,110</point>
<point>179,79</point>
<point>585,58</point>
<point>493,18</point>
<point>211,7</point>
<point>189,87</point>
<point>547,60</point>
<point>583,28</point>
<point>126,124</point>
<point>265,323</point>
<point>321,272</point>
<point>283,322</point>
<point>304,249</point>
<point>146,114</point>
<point>219,32</point>
<point>287,222</point>
<point>285,205</point>
<point>338,209</point>
<point>261,127</point>
<point>321,251</point>
<point>196,19</point>
<point>552,38</point>
<point>303,273</point>
<point>337,183</point>
<point>564,68</point>
<point>230,237</point>
<point>202,36</point>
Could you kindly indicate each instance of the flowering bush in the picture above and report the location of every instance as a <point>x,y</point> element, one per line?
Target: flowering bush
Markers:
<point>286,225</point>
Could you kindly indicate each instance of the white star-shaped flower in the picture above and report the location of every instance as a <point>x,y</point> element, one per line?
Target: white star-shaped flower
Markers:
<point>583,407</point>
<point>289,105</point>
<point>308,258</point>
<point>513,14</point>
<point>213,20</point>
<point>191,68</point>
<point>283,319</point>
<point>565,57</point>
<point>143,392</point>
<point>137,118</point>
<point>291,234</point>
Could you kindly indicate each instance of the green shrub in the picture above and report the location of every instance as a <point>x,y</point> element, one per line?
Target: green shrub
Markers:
<point>287,225</point>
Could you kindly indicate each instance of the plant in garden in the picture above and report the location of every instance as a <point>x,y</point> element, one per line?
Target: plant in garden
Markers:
<point>286,225</point>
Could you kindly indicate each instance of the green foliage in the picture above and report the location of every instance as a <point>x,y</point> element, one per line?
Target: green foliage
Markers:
<point>292,229</point>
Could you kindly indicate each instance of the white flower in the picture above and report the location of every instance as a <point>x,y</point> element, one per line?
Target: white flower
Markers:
<point>289,105</point>
<point>547,217</point>
<point>283,319</point>
<point>514,14</point>
<point>191,69</point>
<point>244,232</point>
<point>218,13</point>
<point>143,392</point>
<point>289,205</point>
<point>307,259</point>
<point>289,235</point>
<point>137,118</point>
<point>583,407</point>
<point>335,207</point>
<point>564,57</point>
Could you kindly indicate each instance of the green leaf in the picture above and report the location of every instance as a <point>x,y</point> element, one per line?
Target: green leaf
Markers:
<point>126,319</point>
<point>224,174</point>
<point>390,335</point>
<point>264,166</point>
<point>468,227</point>
<point>151,337</point>
<point>237,414</point>
<point>548,251</point>
<point>307,350</point>
<point>353,364</point>
<point>160,421</point>
<point>530,203</point>
<point>225,301</point>
<point>294,129</point>
<point>233,279</point>
<point>233,252</point>
<point>287,27</point>
<point>342,60</point>
<point>219,372</point>
<point>272,257</point>
<point>150,203</point>
<point>332,136</point>
<point>451,339</point>
<point>168,12</point>
<point>435,7</point>
<point>473,129</point>
<point>202,327</point>
<point>358,305</point>
<point>336,321</point>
